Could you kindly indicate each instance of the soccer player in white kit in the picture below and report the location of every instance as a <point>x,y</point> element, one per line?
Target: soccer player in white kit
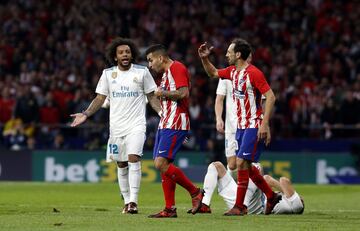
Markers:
<point>126,85</point>
<point>218,176</point>
<point>224,90</point>
<point>255,200</point>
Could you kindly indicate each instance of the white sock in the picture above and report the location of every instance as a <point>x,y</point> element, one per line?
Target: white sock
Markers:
<point>134,180</point>
<point>123,179</point>
<point>233,173</point>
<point>210,183</point>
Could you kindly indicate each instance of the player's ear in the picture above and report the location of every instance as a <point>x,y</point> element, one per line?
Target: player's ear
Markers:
<point>238,55</point>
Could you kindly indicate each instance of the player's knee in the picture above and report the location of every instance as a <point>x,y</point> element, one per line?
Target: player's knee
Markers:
<point>219,167</point>
<point>122,164</point>
<point>232,165</point>
<point>161,165</point>
<point>242,164</point>
<point>134,158</point>
<point>158,165</point>
<point>216,163</point>
<point>284,180</point>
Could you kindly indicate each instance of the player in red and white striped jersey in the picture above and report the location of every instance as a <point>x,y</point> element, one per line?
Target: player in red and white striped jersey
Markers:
<point>175,114</point>
<point>249,84</point>
<point>173,127</point>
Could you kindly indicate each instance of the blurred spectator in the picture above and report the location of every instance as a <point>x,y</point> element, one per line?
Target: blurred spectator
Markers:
<point>6,105</point>
<point>49,112</point>
<point>14,135</point>
<point>59,142</point>
<point>350,109</point>
<point>26,107</point>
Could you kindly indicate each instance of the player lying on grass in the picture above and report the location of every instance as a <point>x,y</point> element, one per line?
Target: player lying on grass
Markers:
<point>290,203</point>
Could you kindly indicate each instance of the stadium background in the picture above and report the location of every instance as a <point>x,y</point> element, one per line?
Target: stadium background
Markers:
<point>52,54</point>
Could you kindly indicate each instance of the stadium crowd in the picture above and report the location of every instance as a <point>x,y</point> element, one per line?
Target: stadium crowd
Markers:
<point>52,55</point>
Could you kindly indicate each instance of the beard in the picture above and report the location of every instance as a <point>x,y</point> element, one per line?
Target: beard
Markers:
<point>124,65</point>
<point>231,62</point>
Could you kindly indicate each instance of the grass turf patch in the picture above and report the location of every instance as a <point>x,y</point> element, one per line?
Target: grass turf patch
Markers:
<point>67,206</point>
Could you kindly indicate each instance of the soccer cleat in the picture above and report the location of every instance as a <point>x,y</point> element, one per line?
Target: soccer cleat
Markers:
<point>270,204</point>
<point>166,213</point>
<point>236,211</point>
<point>132,208</point>
<point>125,209</point>
<point>196,201</point>
<point>203,209</point>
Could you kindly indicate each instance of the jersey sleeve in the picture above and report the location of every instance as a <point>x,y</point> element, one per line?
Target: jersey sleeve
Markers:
<point>259,81</point>
<point>225,73</point>
<point>181,75</point>
<point>149,83</point>
<point>221,87</point>
<point>102,87</point>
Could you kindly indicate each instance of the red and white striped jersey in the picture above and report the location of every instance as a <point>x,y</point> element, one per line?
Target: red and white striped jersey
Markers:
<point>248,86</point>
<point>175,114</point>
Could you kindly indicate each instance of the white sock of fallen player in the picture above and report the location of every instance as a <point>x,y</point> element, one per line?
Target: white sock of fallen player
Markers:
<point>210,183</point>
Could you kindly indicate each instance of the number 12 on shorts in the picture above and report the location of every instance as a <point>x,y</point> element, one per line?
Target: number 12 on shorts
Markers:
<point>113,149</point>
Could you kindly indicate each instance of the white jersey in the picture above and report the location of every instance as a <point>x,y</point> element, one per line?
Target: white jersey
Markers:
<point>292,205</point>
<point>254,198</point>
<point>225,88</point>
<point>127,94</point>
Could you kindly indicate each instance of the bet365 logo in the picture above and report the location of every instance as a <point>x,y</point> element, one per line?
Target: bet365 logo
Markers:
<point>324,170</point>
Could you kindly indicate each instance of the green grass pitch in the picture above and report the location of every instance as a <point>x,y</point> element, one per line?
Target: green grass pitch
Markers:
<point>30,206</point>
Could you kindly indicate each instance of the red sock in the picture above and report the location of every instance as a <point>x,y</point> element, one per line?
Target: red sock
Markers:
<point>179,177</point>
<point>260,182</point>
<point>243,181</point>
<point>168,186</point>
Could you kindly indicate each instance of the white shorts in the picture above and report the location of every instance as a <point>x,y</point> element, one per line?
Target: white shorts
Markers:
<point>118,148</point>
<point>292,205</point>
<point>227,189</point>
<point>231,144</point>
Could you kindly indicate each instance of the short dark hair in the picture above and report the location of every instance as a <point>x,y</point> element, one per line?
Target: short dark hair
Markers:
<point>158,48</point>
<point>111,49</point>
<point>242,46</point>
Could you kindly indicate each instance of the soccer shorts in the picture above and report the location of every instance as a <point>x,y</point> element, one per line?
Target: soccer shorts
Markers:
<point>168,142</point>
<point>230,144</point>
<point>292,205</point>
<point>227,189</point>
<point>249,147</point>
<point>120,147</point>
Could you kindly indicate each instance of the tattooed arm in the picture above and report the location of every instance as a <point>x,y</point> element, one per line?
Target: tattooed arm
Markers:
<point>95,105</point>
<point>180,93</point>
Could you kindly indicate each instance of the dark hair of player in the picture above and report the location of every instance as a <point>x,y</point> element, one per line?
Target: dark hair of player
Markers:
<point>158,49</point>
<point>242,46</point>
<point>111,49</point>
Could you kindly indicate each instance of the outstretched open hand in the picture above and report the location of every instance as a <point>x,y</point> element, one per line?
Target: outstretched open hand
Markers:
<point>79,118</point>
